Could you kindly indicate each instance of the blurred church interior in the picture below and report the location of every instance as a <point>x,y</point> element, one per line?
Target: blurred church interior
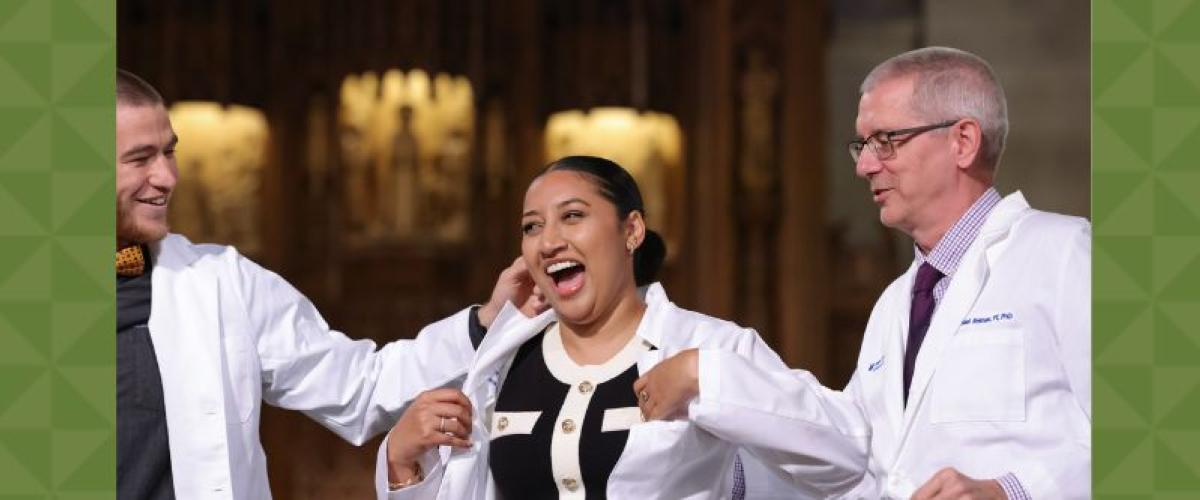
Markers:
<point>375,152</point>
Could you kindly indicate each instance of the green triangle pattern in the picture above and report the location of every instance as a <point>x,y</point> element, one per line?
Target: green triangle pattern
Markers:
<point>1117,60</point>
<point>94,385</point>
<point>1117,188</point>
<point>83,220</point>
<point>1171,345</point>
<point>1130,346</point>
<point>15,252</point>
<point>16,380</point>
<point>31,61</point>
<point>1185,156</point>
<point>83,90</point>
<point>1112,319</point>
<point>1110,22</point>
<point>30,23</point>
<point>71,410</point>
<point>1172,385</point>
<point>1171,216</point>
<point>54,118</point>
<point>1183,285</point>
<point>1184,414</point>
<point>72,152</point>
<point>18,350</point>
<point>30,409</point>
<point>1119,446</point>
<point>1130,383</point>
<point>1134,126</point>
<point>78,195</point>
<point>96,471</point>
<point>94,346</point>
<point>1110,152</point>
<point>103,14</point>
<point>69,281</point>
<point>16,125</point>
<point>33,449</point>
<point>1183,28</point>
<point>31,151</point>
<point>32,191</point>
<point>84,120</point>
<point>1131,254</point>
<point>31,279</point>
<point>9,7</point>
<point>1172,257</point>
<point>31,320</point>
<point>76,192</point>
<point>1171,86</point>
<point>1131,88</point>
<point>83,460</point>
<point>68,23</point>
<point>1137,11</point>
<point>94,255</point>
<point>1170,471</point>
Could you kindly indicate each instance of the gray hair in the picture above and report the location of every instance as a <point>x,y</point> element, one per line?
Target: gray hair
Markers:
<point>951,83</point>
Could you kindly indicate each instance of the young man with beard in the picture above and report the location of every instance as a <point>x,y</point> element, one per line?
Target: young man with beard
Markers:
<point>204,336</point>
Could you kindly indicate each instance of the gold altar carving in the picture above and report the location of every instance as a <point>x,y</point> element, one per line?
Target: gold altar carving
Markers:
<point>405,141</point>
<point>221,155</point>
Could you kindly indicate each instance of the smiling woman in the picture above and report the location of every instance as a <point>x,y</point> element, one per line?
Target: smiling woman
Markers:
<point>549,405</point>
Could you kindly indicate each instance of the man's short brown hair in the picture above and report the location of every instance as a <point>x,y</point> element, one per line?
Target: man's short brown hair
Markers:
<point>134,91</point>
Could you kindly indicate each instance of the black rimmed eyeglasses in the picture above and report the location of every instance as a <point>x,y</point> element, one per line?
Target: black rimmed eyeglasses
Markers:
<point>883,143</point>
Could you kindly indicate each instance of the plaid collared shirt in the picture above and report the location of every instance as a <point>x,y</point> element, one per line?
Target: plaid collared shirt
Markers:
<point>949,251</point>
<point>945,257</point>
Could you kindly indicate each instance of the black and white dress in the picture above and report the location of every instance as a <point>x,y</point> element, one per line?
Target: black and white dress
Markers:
<point>559,428</point>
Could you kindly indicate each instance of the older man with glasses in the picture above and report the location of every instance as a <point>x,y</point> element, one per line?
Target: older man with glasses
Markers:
<point>973,380</point>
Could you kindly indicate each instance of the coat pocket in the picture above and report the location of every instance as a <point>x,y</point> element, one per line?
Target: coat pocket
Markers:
<point>981,378</point>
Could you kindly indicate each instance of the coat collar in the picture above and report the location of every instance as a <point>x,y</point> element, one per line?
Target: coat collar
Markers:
<point>967,283</point>
<point>512,328</point>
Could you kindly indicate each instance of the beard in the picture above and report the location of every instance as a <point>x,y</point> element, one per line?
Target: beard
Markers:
<point>134,230</point>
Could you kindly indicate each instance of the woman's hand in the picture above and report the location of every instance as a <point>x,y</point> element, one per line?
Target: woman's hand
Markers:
<point>436,417</point>
<point>664,392</point>
<point>514,285</point>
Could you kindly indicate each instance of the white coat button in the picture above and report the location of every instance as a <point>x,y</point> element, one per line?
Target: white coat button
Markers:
<point>585,387</point>
<point>568,426</point>
<point>502,423</point>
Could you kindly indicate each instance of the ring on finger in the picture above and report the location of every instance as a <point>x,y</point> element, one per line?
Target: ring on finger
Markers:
<point>643,396</point>
<point>442,426</point>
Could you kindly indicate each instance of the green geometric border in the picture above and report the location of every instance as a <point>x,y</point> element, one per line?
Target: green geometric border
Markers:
<point>1145,180</point>
<point>57,320</point>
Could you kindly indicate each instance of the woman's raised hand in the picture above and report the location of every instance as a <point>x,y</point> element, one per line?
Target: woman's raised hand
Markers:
<point>514,285</point>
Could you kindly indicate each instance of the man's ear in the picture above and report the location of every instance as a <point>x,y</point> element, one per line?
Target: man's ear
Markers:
<point>967,137</point>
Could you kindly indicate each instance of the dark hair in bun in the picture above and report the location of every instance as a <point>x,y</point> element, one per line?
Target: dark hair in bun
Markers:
<point>618,187</point>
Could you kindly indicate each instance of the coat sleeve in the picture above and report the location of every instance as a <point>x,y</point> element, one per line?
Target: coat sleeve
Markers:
<point>345,385</point>
<point>1066,472</point>
<point>812,436</point>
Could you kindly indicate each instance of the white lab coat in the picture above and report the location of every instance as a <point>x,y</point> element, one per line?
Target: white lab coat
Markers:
<point>662,459</point>
<point>229,335</point>
<point>1002,381</point>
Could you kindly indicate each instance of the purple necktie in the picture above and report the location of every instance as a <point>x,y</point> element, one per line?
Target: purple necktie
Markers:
<point>918,318</point>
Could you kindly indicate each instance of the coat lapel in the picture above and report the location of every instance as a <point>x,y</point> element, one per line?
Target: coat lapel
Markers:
<point>968,281</point>
<point>185,328</point>
<point>893,365</point>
